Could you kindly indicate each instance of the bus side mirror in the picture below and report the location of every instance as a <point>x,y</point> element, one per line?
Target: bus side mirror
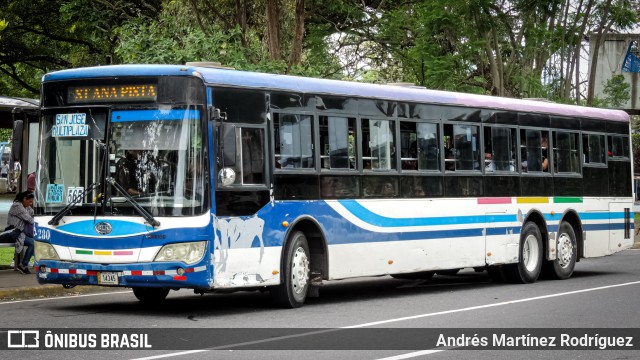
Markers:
<point>227,144</point>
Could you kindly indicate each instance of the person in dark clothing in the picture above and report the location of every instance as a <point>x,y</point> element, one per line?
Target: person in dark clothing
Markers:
<point>135,172</point>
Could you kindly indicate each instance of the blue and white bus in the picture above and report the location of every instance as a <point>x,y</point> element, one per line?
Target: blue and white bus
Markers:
<point>159,177</point>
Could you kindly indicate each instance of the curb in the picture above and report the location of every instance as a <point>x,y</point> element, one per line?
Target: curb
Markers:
<point>51,291</point>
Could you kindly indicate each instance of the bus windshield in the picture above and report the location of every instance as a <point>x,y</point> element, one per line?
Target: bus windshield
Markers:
<point>154,155</point>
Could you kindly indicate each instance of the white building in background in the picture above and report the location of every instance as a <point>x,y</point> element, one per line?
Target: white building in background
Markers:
<point>619,54</point>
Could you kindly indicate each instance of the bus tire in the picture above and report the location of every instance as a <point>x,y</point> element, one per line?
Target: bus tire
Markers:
<point>150,295</point>
<point>293,289</point>
<point>529,264</point>
<point>566,254</point>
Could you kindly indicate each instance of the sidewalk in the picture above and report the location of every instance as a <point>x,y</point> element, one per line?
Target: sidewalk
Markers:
<point>14,285</point>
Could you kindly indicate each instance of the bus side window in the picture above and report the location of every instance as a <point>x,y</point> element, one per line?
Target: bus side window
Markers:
<point>337,142</point>
<point>499,149</point>
<point>593,149</point>
<point>465,141</point>
<point>566,152</point>
<point>378,146</point>
<point>252,156</point>
<point>420,146</point>
<point>618,146</point>
<point>535,152</point>
<point>428,146</point>
<point>293,141</point>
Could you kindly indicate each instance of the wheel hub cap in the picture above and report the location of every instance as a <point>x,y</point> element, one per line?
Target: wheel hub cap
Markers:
<point>530,253</point>
<point>565,250</point>
<point>299,270</point>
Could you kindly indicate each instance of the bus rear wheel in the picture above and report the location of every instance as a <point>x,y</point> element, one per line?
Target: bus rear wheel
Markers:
<point>294,286</point>
<point>150,295</point>
<point>529,264</point>
<point>566,254</point>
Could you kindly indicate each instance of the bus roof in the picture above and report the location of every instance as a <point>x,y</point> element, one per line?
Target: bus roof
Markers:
<point>236,78</point>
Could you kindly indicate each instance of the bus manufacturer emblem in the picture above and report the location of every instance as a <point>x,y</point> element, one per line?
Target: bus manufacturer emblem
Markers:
<point>103,228</point>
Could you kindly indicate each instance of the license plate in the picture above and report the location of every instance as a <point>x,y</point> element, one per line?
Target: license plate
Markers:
<point>108,278</point>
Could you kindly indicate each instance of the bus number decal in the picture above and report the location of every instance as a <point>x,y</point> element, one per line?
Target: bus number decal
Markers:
<point>73,192</point>
<point>43,234</point>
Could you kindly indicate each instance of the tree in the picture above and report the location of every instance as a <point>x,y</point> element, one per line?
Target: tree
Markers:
<point>619,15</point>
<point>617,92</point>
<point>517,48</point>
<point>38,36</point>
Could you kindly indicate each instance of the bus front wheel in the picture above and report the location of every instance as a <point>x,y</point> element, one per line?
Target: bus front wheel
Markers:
<point>567,252</point>
<point>150,295</point>
<point>529,264</point>
<point>294,286</point>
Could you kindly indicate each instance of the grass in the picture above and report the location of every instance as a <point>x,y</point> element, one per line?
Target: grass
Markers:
<point>6,255</point>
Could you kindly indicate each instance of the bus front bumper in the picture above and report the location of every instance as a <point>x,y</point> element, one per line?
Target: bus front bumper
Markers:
<point>156,274</point>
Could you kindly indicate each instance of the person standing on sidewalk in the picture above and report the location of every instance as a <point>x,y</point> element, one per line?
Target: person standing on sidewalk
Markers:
<point>21,217</point>
<point>4,170</point>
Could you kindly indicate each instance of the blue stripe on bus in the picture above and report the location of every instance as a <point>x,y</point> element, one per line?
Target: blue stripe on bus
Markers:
<point>589,216</point>
<point>370,217</point>
<point>596,227</point>
<point>602,215</point>
<point>148,238</point>
<point>118,228</point>
<point>152,115</point>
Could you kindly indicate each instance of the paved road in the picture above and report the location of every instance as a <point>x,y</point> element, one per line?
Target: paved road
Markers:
<point>603,293</point>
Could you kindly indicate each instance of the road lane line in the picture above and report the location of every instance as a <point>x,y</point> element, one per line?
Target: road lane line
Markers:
<point>490,305</point>
<point>174,354</point>
<point>65,297</point>
<point>413,354</point>
<point>403,356</point>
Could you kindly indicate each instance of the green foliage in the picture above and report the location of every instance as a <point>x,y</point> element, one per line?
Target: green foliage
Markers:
<point>635,150</point>
<point>5,134</point>
<point>478,46</point>
<point>6,255</point>
<point>617,92</point>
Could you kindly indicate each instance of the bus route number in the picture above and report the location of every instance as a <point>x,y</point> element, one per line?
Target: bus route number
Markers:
<point>43,233</point>
<point>74,192</point>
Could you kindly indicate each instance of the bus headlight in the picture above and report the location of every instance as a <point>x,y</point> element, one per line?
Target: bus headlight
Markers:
<point>189,253</point>
<point>45,251</point>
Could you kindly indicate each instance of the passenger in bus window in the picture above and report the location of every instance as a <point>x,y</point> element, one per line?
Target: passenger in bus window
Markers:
<point>387,190</point>
<point>489,165</point>
<point>412,162</point>
<point>544,144</point>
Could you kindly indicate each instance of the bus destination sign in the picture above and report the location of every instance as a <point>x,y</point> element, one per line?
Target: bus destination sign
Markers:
<point>111,93</point>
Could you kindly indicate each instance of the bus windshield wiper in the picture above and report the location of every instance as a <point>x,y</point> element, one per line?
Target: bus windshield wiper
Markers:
<point>144,213</point>
<point>60,214</point>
